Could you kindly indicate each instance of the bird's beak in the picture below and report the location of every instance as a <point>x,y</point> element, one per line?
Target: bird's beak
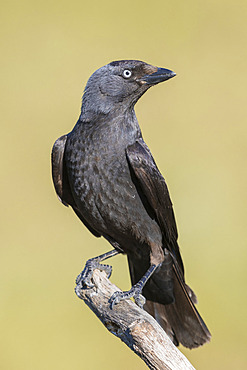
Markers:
<point>162,74</point>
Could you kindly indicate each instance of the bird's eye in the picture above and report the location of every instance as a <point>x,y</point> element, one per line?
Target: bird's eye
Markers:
<point>127,73</point>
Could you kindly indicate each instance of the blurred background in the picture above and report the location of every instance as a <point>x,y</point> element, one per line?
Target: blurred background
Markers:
<point>195,125</point>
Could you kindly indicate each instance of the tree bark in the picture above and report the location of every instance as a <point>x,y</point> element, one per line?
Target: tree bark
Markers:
<point>134,326</point>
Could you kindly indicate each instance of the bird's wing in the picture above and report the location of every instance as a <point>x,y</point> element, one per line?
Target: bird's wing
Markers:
<point>61,181</point>
<point>154,188</point>
<point>180,318</point>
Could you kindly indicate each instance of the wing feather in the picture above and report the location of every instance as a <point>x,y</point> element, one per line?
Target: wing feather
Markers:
<point>154,187</point>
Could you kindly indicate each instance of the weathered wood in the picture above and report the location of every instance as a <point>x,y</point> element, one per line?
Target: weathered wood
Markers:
<point>135,327</point>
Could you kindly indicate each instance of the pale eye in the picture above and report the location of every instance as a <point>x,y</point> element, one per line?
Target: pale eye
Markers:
<point>127,73</point>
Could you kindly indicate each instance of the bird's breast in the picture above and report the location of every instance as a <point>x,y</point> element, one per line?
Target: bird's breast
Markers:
<point>99,173</point>
<point>103,189</point>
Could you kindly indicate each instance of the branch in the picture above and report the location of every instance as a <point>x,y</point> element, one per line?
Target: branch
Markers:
<point>134,326</point>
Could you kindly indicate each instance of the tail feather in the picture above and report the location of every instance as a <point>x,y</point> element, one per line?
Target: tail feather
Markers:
<point>185,320</point>
<point>180,318</point>
<point>156,310</point>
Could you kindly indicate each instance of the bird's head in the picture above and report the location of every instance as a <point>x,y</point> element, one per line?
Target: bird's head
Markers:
<point>118,85</point>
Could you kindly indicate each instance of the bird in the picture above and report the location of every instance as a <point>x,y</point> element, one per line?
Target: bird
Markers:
<point>105,171</point>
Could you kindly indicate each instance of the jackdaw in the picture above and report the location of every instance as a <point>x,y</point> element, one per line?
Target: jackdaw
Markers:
<point>105,171</point>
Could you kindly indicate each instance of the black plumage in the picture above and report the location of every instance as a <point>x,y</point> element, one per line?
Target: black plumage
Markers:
<point>104,170</point>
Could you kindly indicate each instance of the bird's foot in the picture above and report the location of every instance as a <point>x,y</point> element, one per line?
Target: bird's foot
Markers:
<point>85,277</point>
<point>134,292</point>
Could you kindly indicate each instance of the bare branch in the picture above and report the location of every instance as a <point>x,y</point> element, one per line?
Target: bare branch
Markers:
<point>135,327</point>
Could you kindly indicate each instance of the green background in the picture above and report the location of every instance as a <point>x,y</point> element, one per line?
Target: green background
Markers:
<point>195,125</point>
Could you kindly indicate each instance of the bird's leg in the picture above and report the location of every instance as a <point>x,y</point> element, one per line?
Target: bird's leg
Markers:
<point>84,278</point>
<point>135,291</point>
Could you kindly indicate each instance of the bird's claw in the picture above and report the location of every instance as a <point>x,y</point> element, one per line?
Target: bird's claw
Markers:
<point>115,298</point>
<point>140,300</point>
<point>134,292</point>
<point>85,277</point>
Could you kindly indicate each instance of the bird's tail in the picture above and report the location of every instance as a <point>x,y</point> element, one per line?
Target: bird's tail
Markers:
<point>172,303</point>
